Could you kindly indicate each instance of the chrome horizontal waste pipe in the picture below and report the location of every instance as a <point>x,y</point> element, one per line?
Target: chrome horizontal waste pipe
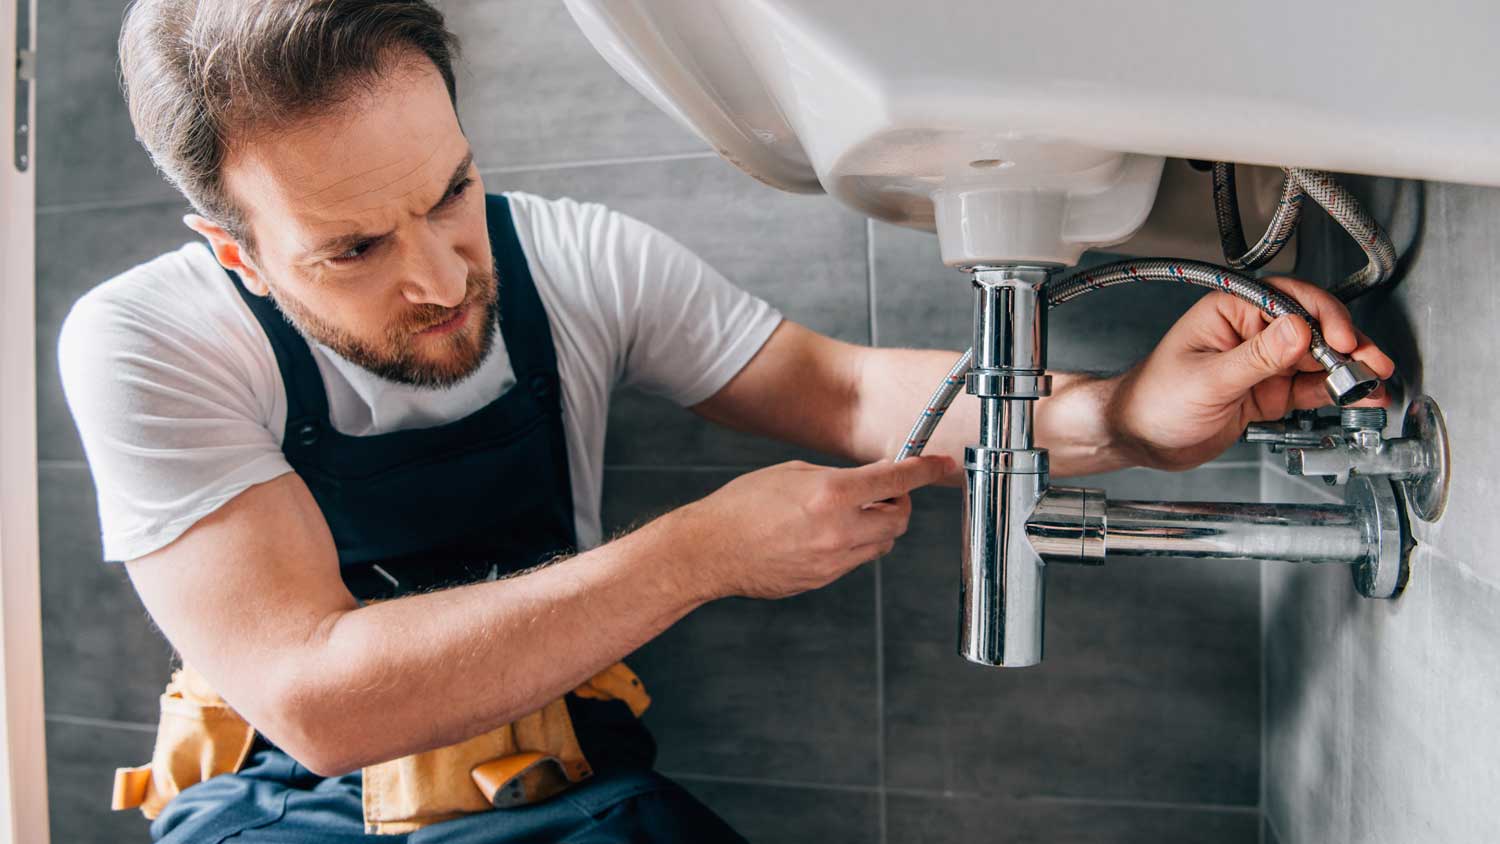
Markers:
<point>1301,533</point>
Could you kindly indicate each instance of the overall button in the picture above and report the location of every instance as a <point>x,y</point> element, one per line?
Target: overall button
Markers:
<point>541,386</point>
<point>307,433</point>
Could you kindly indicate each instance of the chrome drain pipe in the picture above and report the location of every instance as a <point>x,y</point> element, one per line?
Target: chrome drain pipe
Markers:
<point>1003,582</point>
<point>1015,524</point>
<point>1368,532</point>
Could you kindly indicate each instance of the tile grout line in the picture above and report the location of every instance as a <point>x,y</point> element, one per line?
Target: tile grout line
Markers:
<point>880,797</point>
<point>1261,633</point>
<point>1270,822</point>
<point>597,162</point>
<point>61,463</point>
<point>847,788</point>
<point>107,723</point>
<point>1217,808</point>
<point>933,793</point>
<point>109,205</point>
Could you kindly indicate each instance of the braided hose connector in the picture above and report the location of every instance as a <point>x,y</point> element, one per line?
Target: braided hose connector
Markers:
<point>1341,205</point>
<point>1348,380</point>
<point>1232,235</point>
<point>932,414</point>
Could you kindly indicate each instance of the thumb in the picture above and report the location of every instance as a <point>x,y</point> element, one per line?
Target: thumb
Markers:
<point>884,479</point>
<point>1271,352</point>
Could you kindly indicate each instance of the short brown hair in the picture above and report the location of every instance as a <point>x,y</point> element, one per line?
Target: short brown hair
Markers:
<point>197,71</point>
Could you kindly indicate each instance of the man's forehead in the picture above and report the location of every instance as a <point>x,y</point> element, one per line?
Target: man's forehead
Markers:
<point>395,148</point>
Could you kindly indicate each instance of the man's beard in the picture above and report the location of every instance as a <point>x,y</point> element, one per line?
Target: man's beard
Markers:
<point>394,357</point>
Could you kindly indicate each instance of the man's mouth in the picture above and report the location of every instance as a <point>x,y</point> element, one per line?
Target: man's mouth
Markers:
<point>449,325</point>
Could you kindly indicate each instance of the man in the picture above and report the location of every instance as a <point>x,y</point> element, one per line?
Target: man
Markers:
<point>351,452</point>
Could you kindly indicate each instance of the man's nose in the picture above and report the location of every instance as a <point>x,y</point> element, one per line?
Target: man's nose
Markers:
<point>436,274</point>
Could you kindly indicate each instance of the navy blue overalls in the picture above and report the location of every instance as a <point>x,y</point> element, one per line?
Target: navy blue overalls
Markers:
<point>418,509</point>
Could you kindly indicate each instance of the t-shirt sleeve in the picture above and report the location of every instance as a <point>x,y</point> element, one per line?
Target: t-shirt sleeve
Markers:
<point>683,329</point>
<point>171,406</point>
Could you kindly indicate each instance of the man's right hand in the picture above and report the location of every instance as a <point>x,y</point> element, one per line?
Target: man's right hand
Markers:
<point>794,527</point>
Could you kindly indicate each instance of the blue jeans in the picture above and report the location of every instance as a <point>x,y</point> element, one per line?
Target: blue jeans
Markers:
<point>274,800</point>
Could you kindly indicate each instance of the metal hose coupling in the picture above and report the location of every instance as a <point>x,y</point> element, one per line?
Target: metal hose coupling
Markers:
<point>1348,380</point>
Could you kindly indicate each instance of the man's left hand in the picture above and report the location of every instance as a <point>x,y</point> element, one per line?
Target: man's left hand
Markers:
<point>1221,367</point>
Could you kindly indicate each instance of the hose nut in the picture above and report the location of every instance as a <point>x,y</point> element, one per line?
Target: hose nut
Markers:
<point>1350,381</point>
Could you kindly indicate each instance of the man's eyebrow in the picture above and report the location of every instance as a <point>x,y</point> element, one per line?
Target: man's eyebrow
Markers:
<point>460,173</point>
<point>344,242</point>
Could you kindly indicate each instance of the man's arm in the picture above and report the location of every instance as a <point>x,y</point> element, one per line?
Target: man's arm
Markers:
<point>1217,370</point>
<point>859,403</point>
<point>251,597</point>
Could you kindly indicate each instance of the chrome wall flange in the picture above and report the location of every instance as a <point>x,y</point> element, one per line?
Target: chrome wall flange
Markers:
<point>1427,493</point>
<point>1384,570</point>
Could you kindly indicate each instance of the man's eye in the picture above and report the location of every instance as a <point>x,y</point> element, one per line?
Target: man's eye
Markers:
<point>457,191</point>
<point>353,253</point>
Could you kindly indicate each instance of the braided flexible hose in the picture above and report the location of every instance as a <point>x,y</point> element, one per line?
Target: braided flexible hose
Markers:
<point>1341,205</point>
<point>932,414</point>
<point>1268,299</point>
<point>1232,234</point>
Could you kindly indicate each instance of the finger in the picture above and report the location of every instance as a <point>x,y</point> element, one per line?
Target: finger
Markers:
<point>884,522</point>
<point>885,479</point>
<point>1332,315</point>
<point>1266,354</point>
<point>1370,355</point>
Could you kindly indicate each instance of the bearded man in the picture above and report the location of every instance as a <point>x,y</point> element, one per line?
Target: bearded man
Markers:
<point>349,446</point>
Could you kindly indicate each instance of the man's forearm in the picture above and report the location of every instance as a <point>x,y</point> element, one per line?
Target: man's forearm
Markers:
<point>894,385</point>
<point>407,675</point>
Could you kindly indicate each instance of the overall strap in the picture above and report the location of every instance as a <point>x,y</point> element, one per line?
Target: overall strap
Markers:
<point>523,319</point>
<point>524,328</point>
<point>306,398</point>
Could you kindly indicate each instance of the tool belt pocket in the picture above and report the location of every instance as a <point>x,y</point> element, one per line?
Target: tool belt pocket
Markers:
<point>523,762</point>
<point>530,759</point>
<point>198,736</point>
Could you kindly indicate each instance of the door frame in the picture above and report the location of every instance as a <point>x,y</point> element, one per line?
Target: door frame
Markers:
<point>23,776</point>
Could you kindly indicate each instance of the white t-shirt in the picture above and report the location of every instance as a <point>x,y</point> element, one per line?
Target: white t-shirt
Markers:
<point>176,391</point>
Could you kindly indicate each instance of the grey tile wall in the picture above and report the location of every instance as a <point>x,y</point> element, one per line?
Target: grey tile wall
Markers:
<point>80,112</point>
<point>1379,723</point>
<point>791,814</point>
<point>1148,691</point>
<point>81,757</point>
<point>925,820</point>
<point>837,716</point>
<point>776,690</point>
<point>104,658</point>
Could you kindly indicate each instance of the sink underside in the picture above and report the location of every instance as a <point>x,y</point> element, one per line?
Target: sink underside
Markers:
<point>898,108</point>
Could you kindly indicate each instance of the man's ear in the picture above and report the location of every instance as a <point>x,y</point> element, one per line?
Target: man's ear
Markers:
<point>232,256</point>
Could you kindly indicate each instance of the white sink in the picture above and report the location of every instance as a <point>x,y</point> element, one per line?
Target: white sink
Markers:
<point>1034,130</point>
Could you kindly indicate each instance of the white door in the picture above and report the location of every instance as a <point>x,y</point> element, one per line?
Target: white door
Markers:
<point>23,776</point>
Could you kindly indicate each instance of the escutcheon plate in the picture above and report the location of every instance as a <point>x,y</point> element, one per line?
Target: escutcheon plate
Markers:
<point>1428,494</point>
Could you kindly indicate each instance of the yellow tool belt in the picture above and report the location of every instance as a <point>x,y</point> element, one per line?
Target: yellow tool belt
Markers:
<point>527,760</point>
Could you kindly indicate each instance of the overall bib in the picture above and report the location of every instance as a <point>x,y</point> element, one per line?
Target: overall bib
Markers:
<point>479,497</point>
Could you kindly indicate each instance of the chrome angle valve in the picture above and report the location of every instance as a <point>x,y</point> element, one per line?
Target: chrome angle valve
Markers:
<point>1016,522</point>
